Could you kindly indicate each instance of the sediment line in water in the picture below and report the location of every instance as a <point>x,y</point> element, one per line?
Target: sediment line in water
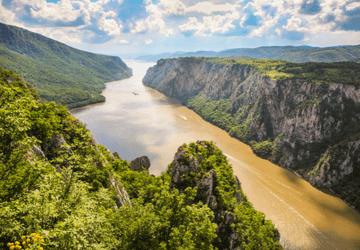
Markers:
<point>154,125</point>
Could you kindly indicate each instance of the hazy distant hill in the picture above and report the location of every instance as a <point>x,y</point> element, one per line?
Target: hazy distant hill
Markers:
<point>291,53</point>
<point>60,73</point>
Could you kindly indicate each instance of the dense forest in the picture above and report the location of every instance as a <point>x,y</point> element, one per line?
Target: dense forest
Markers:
<point>337,72</point>
<point>59,189</point>
<point>60,73</point>
<point>300,116</point>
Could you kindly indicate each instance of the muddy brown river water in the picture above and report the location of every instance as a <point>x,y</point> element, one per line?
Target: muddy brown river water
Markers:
<point>153,125</point>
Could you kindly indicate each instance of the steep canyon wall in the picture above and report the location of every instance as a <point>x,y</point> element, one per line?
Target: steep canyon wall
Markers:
<point>311,128</point>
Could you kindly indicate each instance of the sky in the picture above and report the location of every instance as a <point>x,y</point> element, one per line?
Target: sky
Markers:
<point>157,26</point>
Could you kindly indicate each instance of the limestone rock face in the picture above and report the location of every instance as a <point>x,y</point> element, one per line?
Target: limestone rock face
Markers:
<point>140,163</point>
<point>38,152</point>
<point>303,120</point>
<point>116,154</point>
<point>58,142</point>
<point>205,189</point>
<point>182,164</point>
<point>185,164</point>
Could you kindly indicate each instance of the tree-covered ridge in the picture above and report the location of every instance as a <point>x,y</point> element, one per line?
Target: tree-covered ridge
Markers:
<point>59,189</point>
<point>59,72</point>
<point>298,54</point>
<point>337,72</point>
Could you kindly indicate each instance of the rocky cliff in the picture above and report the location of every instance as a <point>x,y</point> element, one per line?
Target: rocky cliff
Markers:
<point>57,181</point>
<point>311,127</point>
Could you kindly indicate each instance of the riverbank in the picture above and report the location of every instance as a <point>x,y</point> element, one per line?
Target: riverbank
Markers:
<point>311,127</point>
<point>154,125</point>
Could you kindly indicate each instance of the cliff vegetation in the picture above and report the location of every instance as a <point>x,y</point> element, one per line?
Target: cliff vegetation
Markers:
<point>304,117</point>
<point>59,189</point>
<point>60,73</point>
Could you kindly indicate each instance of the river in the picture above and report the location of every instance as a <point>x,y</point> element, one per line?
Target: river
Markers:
<point>151,124</point>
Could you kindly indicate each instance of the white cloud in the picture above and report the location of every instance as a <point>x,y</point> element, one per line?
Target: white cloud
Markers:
<point>7,16</point>
<point>209,7</point>
<point>353,6</point>
<point>278,31</point>
<point>109,25</point>
<point>293,24</point>
<point>123,41</point>
<point>63,11</point>
<point>153,23</point>
<point>148,41</point>
<point>211,23</point>
<point>172,7</point>
<point>262,30</point>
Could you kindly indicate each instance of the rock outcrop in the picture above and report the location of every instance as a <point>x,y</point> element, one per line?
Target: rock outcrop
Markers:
<point>308,124</point>
<point>187,170</point>
<point>140,164</point>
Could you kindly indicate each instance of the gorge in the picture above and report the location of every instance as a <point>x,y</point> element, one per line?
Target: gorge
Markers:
<point>309,126</point>
<point>152,124</point>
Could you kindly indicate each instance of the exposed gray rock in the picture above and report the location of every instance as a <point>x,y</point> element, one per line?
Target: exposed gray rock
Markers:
<point>140,164</point>
<point>182,164</point>
<point>111,155</point>
<point>185,164</point>
<point>57,146</point>
<point>304,119</point>
<point>238,187</point>
<point>38,152</point>
<point>122,198</point>
<point>58,142</point>
<point>205,189</point>
<point>116,154</point>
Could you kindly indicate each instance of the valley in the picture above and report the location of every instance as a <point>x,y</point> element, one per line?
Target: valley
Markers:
<point>154,125</point>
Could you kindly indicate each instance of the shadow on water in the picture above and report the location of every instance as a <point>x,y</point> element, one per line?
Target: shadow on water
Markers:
<point>338,225</point>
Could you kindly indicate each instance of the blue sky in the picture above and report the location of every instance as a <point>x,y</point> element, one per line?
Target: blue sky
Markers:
<point>156,26</point>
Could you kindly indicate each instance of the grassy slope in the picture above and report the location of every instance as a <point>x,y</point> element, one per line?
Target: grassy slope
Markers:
<point>60,73</point>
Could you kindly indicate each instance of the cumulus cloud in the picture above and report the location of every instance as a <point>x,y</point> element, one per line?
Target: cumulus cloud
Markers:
<point>172,7</point>
<point>263,29</point>
<point>75,21</point>
<point>91,20</point>
<point>63,11</point>
<point>210,24</point>
<point>109,25</point>
<point>278,31</point>
<point>148,41</point>
<point>353,6</point>
<point>209,7</point>
<point>293,24</point>
<point>154,22</point>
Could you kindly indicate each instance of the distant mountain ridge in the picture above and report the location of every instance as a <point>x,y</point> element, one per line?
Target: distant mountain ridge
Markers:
<point>297,54</point>
<point>59,72</point>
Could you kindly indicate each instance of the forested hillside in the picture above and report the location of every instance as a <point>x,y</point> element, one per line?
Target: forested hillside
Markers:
<point>59,189</point>
<point>304,117</point>
<point>300,54</point>
<point>59,73</point>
